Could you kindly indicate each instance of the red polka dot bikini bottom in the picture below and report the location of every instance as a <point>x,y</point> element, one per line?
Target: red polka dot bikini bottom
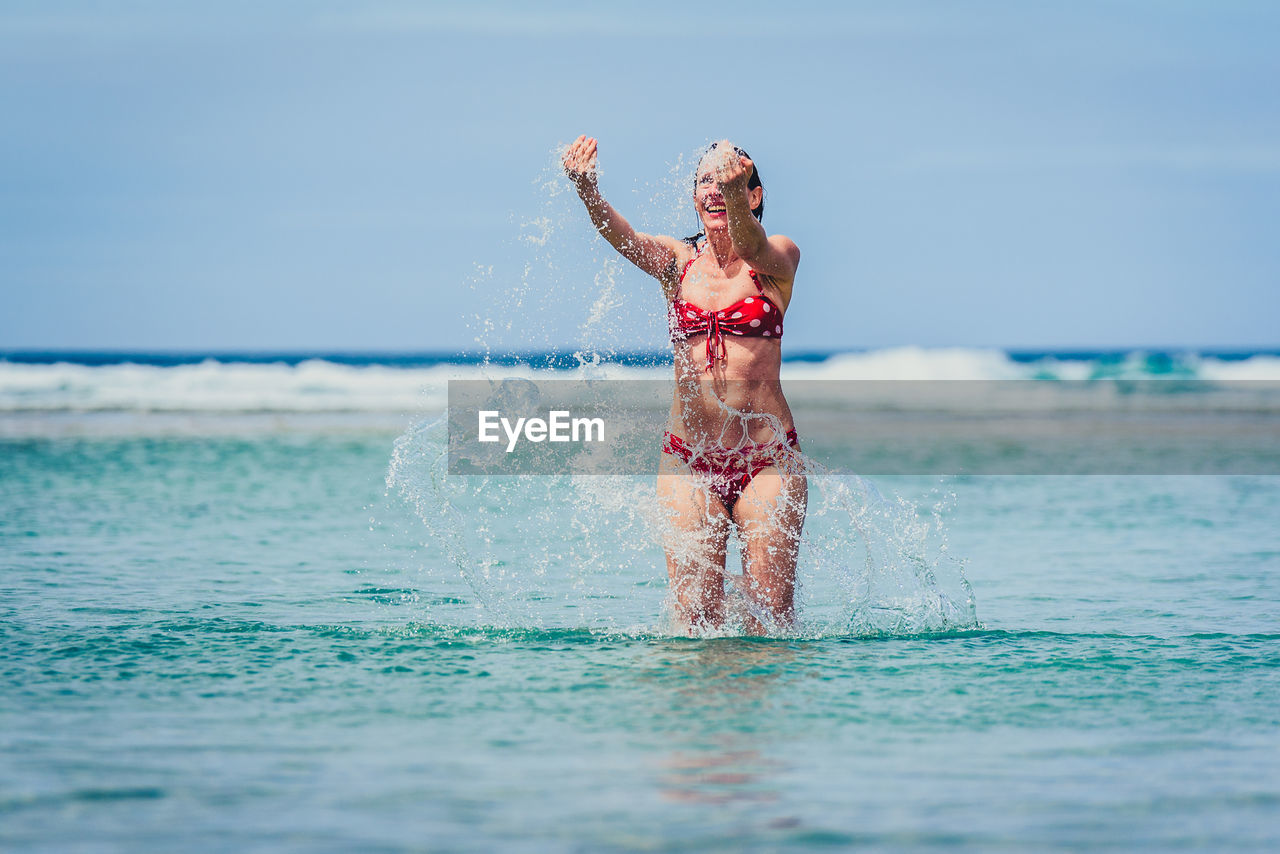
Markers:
<point>727,471</point>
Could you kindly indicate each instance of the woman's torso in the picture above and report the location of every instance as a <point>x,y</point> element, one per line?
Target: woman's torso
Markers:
<point>727,388</point>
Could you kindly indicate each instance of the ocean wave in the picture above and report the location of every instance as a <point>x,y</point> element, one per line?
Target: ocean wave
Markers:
<point>965,363</point>
<point>910,363</point>
<point>318,385</point>
<point>313,386</point>
<point>1260,368</point>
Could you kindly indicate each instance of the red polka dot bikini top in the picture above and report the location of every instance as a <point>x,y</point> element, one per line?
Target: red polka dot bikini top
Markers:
<point>751,317</point>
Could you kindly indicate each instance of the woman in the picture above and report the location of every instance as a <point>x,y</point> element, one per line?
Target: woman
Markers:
<point>727,290</point>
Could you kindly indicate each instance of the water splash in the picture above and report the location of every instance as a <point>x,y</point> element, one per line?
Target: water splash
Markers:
<point>586,551</point>
<point>543,552</point>
<point>890,560</point>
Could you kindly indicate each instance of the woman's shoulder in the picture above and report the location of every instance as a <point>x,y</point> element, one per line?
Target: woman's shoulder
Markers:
<point>683,251</point>
<point>786,245</point>
<point>680,249</point>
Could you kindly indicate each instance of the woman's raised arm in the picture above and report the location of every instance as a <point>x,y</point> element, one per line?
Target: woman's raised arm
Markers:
<point>655,254</point>
<point>773,255</point>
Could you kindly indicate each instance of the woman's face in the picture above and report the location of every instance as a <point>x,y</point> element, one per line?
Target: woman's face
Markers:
<point>708,201</point>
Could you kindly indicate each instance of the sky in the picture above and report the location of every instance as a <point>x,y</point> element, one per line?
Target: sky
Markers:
<point>342,176</point>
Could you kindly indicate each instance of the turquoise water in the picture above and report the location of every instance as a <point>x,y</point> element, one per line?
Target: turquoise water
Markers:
<point>242,639</point>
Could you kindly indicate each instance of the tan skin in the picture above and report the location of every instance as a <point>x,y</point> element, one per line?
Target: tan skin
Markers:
<point>707,408</point>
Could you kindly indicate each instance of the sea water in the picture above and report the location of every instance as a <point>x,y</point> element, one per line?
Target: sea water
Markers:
<point>232,619</point>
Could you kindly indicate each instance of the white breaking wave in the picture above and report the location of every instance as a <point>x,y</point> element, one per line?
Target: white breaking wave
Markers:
<point>963,363</point>
<point>311,386</point>
<point>911,363</point>
<point>1252,369</point>
<point>318,386</point>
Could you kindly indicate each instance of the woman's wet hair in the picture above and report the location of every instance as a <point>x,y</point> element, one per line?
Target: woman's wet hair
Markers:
<point>752,182</point>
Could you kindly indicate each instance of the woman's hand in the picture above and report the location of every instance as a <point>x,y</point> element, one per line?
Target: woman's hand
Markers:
<point>579,161</point>
<point>731,168</point>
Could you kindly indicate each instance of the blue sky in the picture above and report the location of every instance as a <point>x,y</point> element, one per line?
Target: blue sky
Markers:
<point>378,175</point>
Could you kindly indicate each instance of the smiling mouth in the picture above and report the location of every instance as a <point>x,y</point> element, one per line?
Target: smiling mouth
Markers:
<point>714,209</point>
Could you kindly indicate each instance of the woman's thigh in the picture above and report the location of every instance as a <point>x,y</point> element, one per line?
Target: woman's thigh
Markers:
<point>695,529</point>
<point>770,516</point>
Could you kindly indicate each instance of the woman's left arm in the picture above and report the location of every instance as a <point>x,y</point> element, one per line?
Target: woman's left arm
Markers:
<point>775,256</point>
